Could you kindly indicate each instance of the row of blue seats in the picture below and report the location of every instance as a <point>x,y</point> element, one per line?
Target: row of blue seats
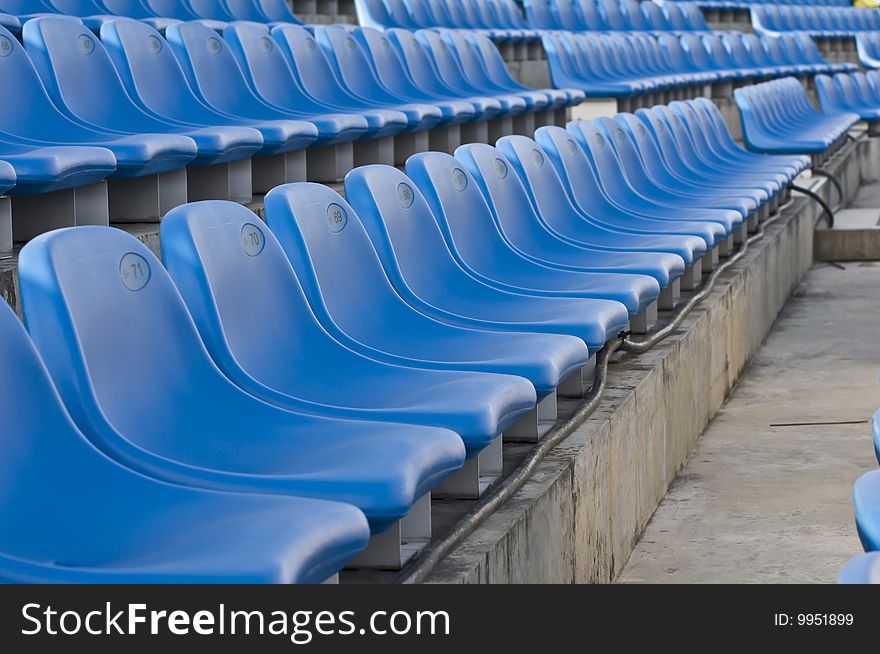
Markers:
<point>160,13</point>
<point>147,104</point>
<point>350,353</point>
<point>613,15</point>
<point>818,21</point>
<point>865,569</point>
<point>853,93</point>
<point>501,19</point>
<point>778,118</point>
<point>624,65</point>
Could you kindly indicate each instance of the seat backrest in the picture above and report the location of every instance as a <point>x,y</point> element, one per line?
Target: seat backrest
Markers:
<point>403,230</point>
<point>538,176</point>
<point>171,9</point>
<point>115,335</point>
<point>418,59</point>
<point>351,63</point>
<point>445,59</point>
<point>503,190</point>
<point>78,72</point>
<point>240,289</point>
<point>77,7</point>
<point>328,247</point>
<point>33,112</point>
<point>540,15</point>
<point>566,16</point>
<point>612,14</point>
<point>265,68</point>
<point>25,7</point>
<point>212,9</point>
<point>655,17</point>
<point>590,15</point>
<point>46,463</point>
<point>148,68</point>
<point>386,63</point>
<point>457,204</point>
<point>246,10</point>
<point>128,8</point>
<point>210,67</point>
<point>676,17</point>
<point>309,63</point>
<point>277,10</point>
<point>634,16</point>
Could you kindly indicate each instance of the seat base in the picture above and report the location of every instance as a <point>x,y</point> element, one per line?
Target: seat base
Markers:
<point>477,474</point>
<point>725,248</point>
<point>524,124</point>
<point>225,181</point>
<point>146,199</point>
<point>37,214</point>
<point>741,233</point>
<point>534,425</point>
<point>392,548</point>
<point>278,169</point>
<point>406,145</point>
<point>374,151</point>
<point>499,127</point>
<point>670,296</point>
<point>5,227</point>
<point>645,320</point>
<point>693,276</point>
<point>578,383</point>
<point>445,139</point>
<point>330,163</point>
<point>475,132</point>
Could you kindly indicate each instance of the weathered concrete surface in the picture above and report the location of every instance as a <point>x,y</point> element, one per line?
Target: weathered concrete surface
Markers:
<point>771,504</point>
<point>579,517</point>
<point>856,233</point>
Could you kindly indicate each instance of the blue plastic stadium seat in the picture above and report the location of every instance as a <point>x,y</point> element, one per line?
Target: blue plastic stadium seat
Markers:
<point>164,409</point>
<point>480,246</point>
<point>864,569</point>
<point>166,12</point>
<point>583,183</point>
<point>841,94</point>
<point>290,360</point>
<point>46,169</point>
<point>102,523</point>
<point>433,82</point>
<point>362,309</point>
<point>866,506</point>
<point>619,188</point>
<point>210,66</point>
<point>420,265</point>
<point>352,68</point>
<point>80,77</point>
<point>475,73</point>
<point>867,46</point>
<point>523,226</point>
<point>875,430</point>
<point>777,118</point>
<point>694,183</point>
<point>450,71</point>
<point>394,76</point>
<point>154,79</point>
<point>562,217</point>
<point>500,78</point>
<point>314,74</point>
<point>43,124</point>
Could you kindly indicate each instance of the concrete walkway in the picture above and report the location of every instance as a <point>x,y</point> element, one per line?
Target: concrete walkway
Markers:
<point>760,502</point>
